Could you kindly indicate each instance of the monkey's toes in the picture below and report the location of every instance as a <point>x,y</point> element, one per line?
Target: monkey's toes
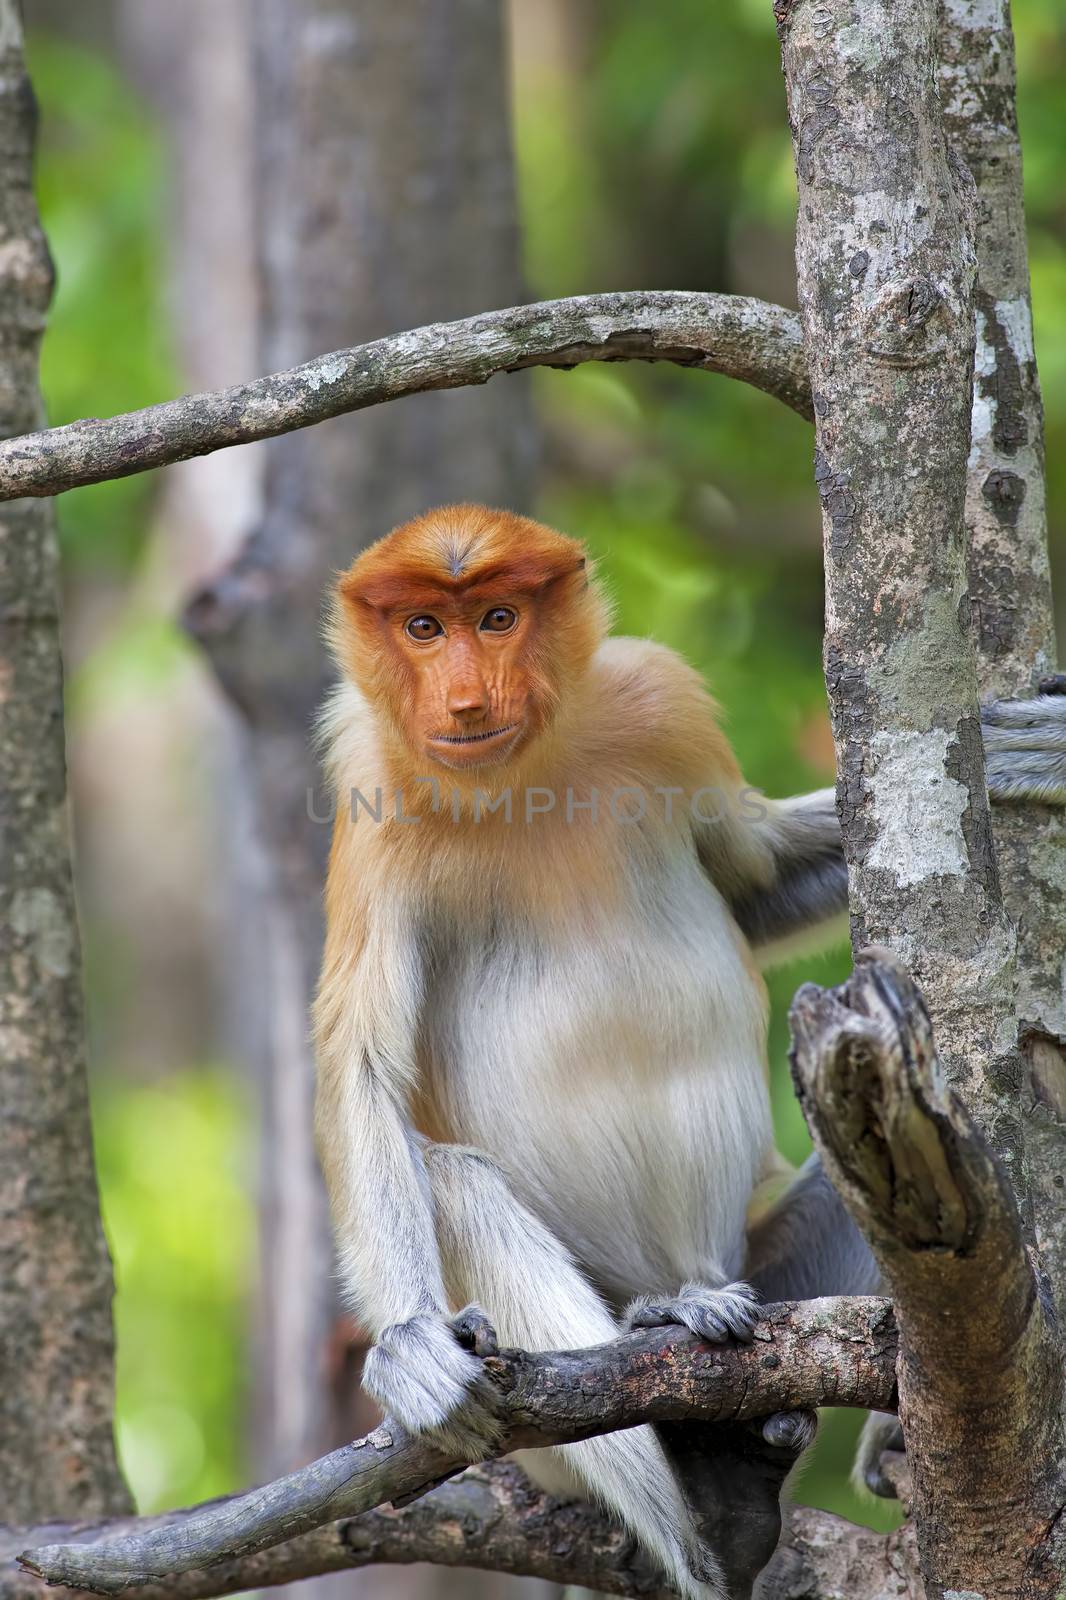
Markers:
<point>475,1332</point>
<point>712,1314</point>
<point>881,1436</point>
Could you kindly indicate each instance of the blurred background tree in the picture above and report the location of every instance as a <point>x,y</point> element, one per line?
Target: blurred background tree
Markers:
<point>652,152</point>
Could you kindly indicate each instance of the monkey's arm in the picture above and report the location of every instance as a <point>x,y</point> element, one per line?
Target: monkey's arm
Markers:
<point>366,1015</point>
<point>797,895</point>
<point>785,875</point>
<point>418,1370</point>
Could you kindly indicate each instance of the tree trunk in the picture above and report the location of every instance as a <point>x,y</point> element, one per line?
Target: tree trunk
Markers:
<point>381,200</point>
<point>890,281</point>
<point>1010,598</point>
<point>57,1453</point>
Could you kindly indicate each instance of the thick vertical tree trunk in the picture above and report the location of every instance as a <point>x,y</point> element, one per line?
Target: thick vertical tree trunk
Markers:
<point>886,267</point>
<point>902,262</point>
<point>382,202</point>
<point>57,1454</point>
<point>1010,597</point>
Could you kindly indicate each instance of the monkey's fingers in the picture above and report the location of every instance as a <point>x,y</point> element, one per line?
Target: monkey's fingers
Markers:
<point>475,1332</point>
<point>420,1374</point>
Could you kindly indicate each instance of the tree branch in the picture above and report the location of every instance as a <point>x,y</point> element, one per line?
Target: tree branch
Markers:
<point>980,1369</point>
<point>719,333</point>
<point>1010,596</point>
<point>741,337</point>
<point>822,1352</point>
<point>492,1517</point>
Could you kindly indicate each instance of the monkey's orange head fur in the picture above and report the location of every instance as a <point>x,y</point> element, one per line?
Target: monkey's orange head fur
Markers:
<point>465,628</point>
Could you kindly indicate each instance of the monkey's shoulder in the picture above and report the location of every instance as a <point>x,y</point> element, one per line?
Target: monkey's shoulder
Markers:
<point>654,711</point>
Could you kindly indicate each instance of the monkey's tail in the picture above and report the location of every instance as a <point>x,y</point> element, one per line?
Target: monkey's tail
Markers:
<point>628,1475</point>
<point>497,1253</point>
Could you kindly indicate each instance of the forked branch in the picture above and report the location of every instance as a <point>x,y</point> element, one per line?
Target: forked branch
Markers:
<point>743,338</point>
<point>820,1352</point>
<point>980,1371</point>
<point>493,1518</point>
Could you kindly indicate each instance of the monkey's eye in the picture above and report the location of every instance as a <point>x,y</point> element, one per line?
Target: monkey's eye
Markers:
<point>422,628</point>
<point>501,619</point>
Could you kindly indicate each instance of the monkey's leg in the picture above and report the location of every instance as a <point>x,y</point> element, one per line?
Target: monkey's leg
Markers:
<point>499,1254</point>
<point>806,1246</point>
<point>881,1434</point>
<point>731,1474</point>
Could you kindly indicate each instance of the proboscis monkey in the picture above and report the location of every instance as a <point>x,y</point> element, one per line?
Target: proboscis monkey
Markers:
<point>541,1027</point>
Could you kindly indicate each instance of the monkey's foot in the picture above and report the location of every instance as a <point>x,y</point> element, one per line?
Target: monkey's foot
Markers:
<point>881,1434</point>
<point>790,1430</point>
<point>712,1314</point>
<point>423,1373</point>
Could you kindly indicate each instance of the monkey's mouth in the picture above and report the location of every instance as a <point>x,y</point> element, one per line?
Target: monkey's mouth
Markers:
<point>474,738</point>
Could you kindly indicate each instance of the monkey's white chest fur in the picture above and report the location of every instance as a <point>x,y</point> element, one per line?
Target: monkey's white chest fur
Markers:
<point>614,1066</point>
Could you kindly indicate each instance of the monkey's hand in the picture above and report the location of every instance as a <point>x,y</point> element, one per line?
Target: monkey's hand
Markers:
<point>1025,746</point>
<point>427,1374</point>
<point>716,1315</point>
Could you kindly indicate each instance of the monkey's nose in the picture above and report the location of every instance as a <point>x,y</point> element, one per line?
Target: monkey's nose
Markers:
<point>468,702</point>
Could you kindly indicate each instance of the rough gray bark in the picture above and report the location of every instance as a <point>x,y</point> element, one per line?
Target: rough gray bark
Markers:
<point>886,265</point>
<point>492,1517</point>
<point>938,1209</point>
<point>1010,595</point>
<point>840,1352</point>
<point>56,1357</point>
<point>744,338</point>
<point>1005,504</point>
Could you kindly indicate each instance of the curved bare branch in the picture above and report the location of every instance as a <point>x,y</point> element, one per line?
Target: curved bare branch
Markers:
<point>741,337</point>
<point>820,1352</point>
<point>492,1517</point>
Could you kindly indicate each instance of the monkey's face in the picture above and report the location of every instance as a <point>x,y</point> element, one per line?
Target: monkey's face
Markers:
<point>467,629</point>
<point>473,695</point>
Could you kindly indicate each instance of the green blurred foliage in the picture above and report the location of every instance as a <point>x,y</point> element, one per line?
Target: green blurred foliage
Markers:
<point>652,152</point>
<point>100,186</point>
<point>176,1180</point>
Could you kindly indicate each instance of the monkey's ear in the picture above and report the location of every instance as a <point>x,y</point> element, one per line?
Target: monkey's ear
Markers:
<point>361,594</point>
<point>556,572</point>
<point>349,591</point>
<point>578,570</point>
